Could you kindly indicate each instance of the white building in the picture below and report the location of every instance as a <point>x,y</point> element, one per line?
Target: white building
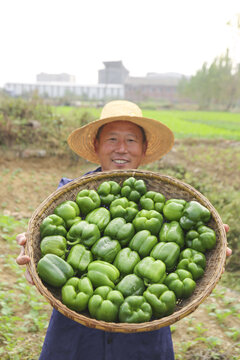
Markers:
<point>56,90</point>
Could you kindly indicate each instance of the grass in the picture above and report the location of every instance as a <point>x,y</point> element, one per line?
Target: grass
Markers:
<point>24,313</point>
<point>209,125</point>
<point>194,124</point>
<point>201,343</point>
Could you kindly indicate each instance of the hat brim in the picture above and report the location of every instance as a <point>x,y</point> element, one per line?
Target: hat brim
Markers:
<point>160,138</point>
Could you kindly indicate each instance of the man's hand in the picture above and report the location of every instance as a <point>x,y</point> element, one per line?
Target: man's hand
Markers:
<point>23,259</point>
<point>229,251</point>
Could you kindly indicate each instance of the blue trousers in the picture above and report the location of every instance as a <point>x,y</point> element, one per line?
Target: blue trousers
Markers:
<point>69,340</point>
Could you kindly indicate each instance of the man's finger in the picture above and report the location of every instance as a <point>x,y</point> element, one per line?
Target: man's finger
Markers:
<point>229,251</point>
<point>28,277</point>
<point>226,227</point>
<point>22,259</point>
<point>21,239</point>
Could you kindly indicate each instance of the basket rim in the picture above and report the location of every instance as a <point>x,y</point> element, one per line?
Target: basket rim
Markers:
<point>124,327</point>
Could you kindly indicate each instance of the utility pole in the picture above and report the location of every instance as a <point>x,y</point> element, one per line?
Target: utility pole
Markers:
<point>234,25</point>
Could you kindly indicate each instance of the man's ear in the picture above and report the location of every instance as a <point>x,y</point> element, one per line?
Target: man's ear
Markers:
<point>145,145</point>
<point>96,144</point>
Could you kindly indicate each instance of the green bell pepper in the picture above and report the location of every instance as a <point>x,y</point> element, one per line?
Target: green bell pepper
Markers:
<point>87,200</point>
<point>100,217</point>
<point>194,213</point>
<point>55,244</point>
<point>119,230</point>
<point>173,209</point>
<point>172,232</point>
<point>79,258</point>
<point>161,299</point>
<point>193,261</point>
<point>133,189</point>
<point>143,242</point>
<point>104,304</point>
<point>202,239</point>
<point>83,232</point>
<point>152,200</point>
<point>54,270</point>
<point>123,208</point>
<point>105,249</point>
<point>181,283</point>
<point>168,253</point>
<point>108,191</point>
<point>131,285</point>
<point>148,220</point>
<point>135,309</point>
<point>126,260</point>
<point>102,273</point>
<point>151,270</point>
<point>52,225</point>
<point>76,293</point>
<point>69,211</point>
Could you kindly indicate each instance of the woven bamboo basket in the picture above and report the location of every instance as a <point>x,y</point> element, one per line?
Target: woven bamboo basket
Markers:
<point>168,186</point>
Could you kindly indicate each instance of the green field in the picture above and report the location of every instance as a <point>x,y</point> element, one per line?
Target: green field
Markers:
<point>184,124</point>
<point>200,124</point>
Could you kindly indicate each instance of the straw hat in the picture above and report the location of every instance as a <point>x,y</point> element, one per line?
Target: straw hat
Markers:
<point>160,138</point>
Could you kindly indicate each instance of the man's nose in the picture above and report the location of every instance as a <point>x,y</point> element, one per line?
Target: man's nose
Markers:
<point>121,147</point>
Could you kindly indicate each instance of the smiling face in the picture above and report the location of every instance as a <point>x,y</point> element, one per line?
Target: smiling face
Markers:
<point>120,145</point>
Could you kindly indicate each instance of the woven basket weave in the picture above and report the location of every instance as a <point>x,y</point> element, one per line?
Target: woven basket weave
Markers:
<point>168,186</point>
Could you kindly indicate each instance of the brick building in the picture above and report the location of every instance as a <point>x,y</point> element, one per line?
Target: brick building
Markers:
<point>153,87</point>
<point>114,73</point>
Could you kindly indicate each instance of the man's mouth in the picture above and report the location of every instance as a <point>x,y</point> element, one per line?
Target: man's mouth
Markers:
<point>120,161</point>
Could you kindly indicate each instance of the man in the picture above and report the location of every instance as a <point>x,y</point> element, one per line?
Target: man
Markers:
<point>120,139</point>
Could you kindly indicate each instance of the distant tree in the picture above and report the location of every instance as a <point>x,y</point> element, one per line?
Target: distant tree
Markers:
<point>215,85</point>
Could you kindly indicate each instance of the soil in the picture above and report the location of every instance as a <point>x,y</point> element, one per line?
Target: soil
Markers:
<point>25,183</point>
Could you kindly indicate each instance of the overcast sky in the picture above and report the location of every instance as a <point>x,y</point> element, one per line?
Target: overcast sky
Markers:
<point>76,36</point>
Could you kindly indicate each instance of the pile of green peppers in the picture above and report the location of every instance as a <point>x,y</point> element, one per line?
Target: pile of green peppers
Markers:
<point>123,253</point>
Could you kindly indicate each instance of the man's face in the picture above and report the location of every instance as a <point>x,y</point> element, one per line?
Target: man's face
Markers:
<point>120,146</point>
